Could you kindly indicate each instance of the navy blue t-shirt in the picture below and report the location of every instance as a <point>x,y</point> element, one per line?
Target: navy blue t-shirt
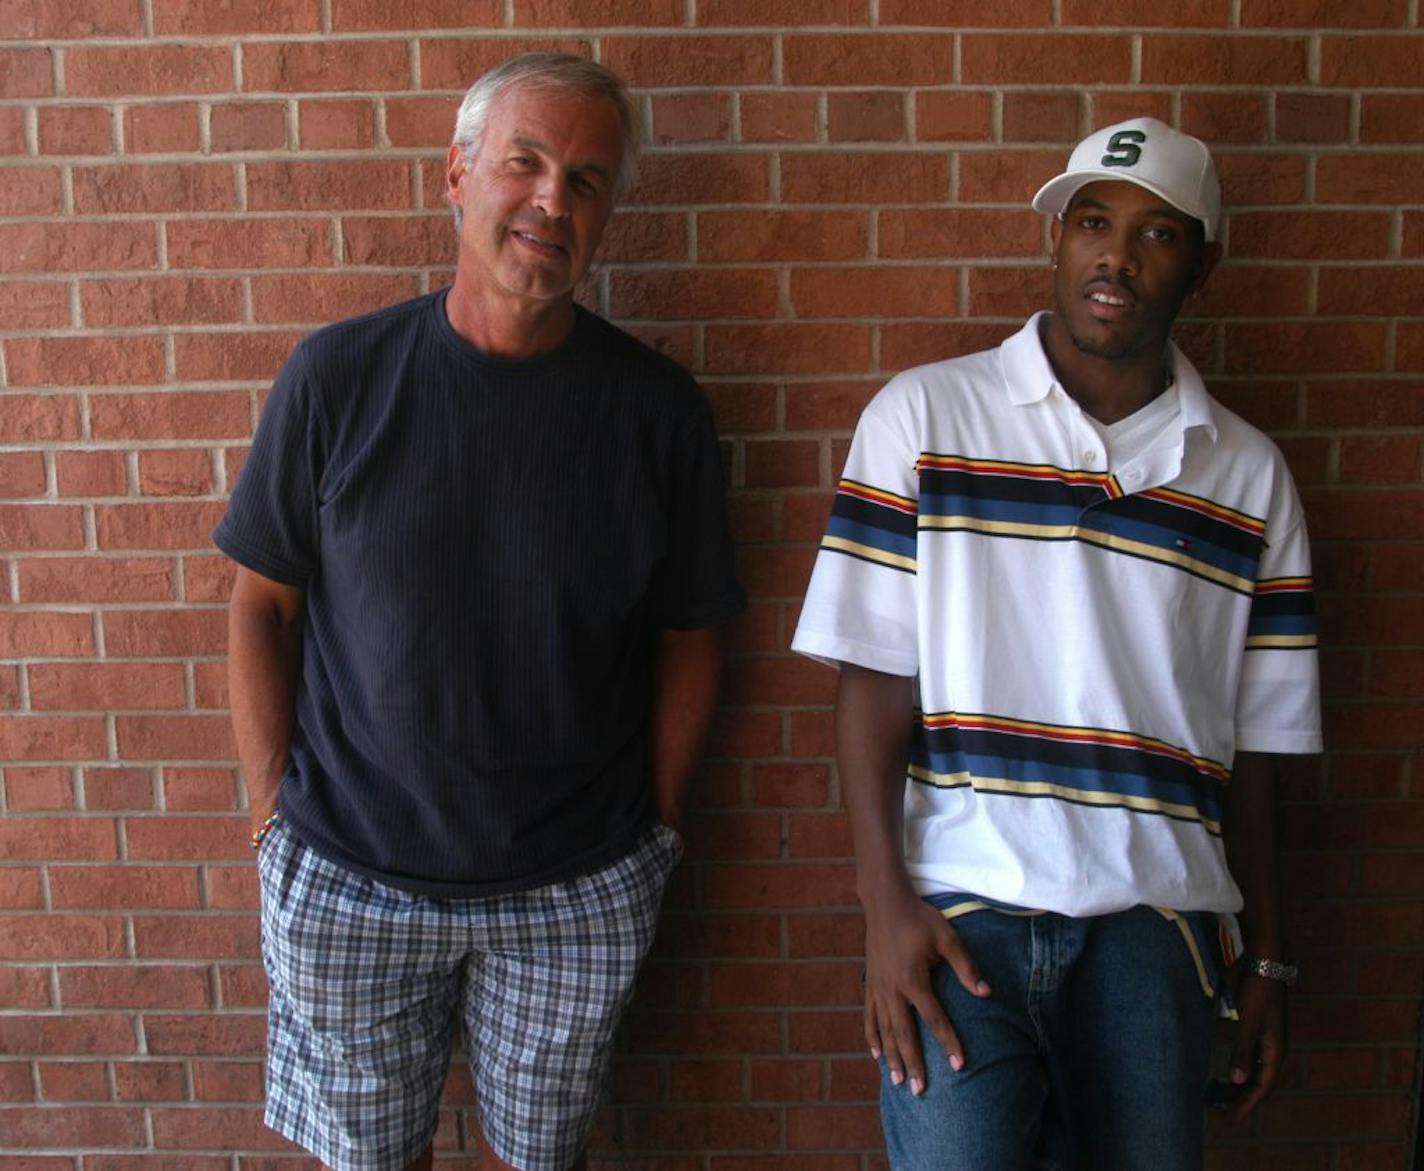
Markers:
<point>488,549</point>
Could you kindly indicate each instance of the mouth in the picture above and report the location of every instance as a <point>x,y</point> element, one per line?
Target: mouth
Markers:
<point>1109,302</point>
<point>543,245</point>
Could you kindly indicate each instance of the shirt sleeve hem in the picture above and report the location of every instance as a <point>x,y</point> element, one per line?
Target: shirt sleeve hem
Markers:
<point>249,558</point>
<point>834,650</point>
<point>1290,743</point>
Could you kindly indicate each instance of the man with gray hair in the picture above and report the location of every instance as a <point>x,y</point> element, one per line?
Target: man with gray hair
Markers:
<point>482,554</point>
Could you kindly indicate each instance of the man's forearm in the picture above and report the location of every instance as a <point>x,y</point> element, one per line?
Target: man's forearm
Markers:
<point>264,666</point>
<point>689,667</point>
<point>1249,832</point>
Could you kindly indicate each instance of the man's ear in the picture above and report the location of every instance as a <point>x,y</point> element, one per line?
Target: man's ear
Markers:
<point>455,168</point>
<point>1206,263</point>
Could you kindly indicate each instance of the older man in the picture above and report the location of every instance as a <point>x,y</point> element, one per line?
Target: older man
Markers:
<point>482,552</point>
<point>1070,597</point>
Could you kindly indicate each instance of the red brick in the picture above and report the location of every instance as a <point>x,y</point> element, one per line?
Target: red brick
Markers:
<point>454,64</point>
<point>1009,292</point>
<point>73,1081</point>
<point>118,788</point>
<point>149,1081</point>
<point>808,12</point>
<point>906,345</point>
<point>336,125</point>
<point>749,349</point>
<point>875,292</point>
<point>83,1127</point>
<point>801,884</point>
<point>693,294</point>
<point>76,130</point>
<point>1289,347</point>
<point>1029,59</point>
<point>66,247</point>
<point>1318,235</point>
<point>24,987</point>
<point>1362,178</point>
<point>163,128</point>
<point>22,474</point>
<point>784,235</point>
<point>163,1163</point>
<point>232,356</point>
<point>1370,61</point>
<point>41,633</point>
<point>697,177</point>
<point>1397,673</point>
<point>379,15</point>
<point>190,937</point>
<point>813,1129</point>
<point>146,188</point>
<point>1409,347</point>
<point>185,737</point>
<point>853,177</point>
<point>1339,1115</point>
<point>1003,176</point>
<point>879,59</point>
<point>1316,117</point>
<point>30,191</point>
<point>71,19</point>
<point>406,240</point>
<point>705,1081</point>
<point>782,463</point>
<point>84,361</point>
<point>232,888</point>
<point>26,73</point>
<point>1191,14</point>
<point>175,472</point>
<point>198,789</point>
<point>1378,291</point>
<point>228,1035</point>
<point>252,244</point>
<point>188,838</point>
<point>35,305</point>
<point>165,633</point>
<point>778,117</point>
<point>101,686</point>
<point>743,407</point>
<point>1111,108</point>
<point>690,60</point>
<point>922,234</point>
<point>337,184</point>
<point>318,66</point>
<point>1041,117</point>
<point>1313,14</point>
<point>124,301</point>
<point>1225,117</point>
<point>699,1127</point>
<point>1389,117</point>
<point>51,738</point>
<point>28,789</point>
<point>147,70</point>
<point>423,121</point>
<point>326,297</point>
<point>827,1032</point>
<point>238,126</point>
<point>1224,60</point>
<point>872,116</point>
<point>243,985</point>
<point>41,526</point>
<point>135,986</point>
<point>56,937</point>
<point>207,579</point>
<point>819,836</point>
<point>227,1081</point>
<point>1261,179</point>
<point>12,130</point>
<point>219,17</point>
<point>171,415</point>
<point>691,117</point>
<point>790,785</point>
<point>953,117</point>
<point>174,525</point>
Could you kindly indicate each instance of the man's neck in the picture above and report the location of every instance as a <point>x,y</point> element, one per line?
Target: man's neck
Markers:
<point>1109,389</point>
<point>505,326</point>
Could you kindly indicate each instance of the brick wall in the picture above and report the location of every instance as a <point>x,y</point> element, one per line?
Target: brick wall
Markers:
<point>193,184</point>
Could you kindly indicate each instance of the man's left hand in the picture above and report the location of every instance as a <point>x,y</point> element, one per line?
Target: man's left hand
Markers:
<point>1260,1046</point>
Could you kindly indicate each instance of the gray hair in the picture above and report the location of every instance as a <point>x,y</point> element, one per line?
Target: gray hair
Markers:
<point>550,71</point>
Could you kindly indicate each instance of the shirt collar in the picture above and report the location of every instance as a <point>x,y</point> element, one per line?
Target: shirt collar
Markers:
<point>1029,378</point>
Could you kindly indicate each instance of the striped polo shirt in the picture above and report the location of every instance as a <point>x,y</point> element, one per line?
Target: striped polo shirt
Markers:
<point>1091,648</point>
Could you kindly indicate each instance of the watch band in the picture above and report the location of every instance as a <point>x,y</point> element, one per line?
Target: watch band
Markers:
<point>1286,974</point>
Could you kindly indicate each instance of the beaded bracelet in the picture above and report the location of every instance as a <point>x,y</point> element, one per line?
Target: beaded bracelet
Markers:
<point>264,829</point>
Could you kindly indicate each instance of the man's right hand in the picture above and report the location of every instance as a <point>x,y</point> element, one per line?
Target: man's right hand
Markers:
<point>904,939</point>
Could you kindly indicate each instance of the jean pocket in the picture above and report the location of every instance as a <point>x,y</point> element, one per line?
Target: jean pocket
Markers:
<point>1199,932</point>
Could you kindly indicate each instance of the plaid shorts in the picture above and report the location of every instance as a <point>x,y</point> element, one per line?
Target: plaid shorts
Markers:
<point>366,981</point>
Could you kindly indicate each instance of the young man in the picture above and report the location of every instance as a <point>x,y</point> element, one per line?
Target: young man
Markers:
<point>482,550</point>
<point>1069,594</point>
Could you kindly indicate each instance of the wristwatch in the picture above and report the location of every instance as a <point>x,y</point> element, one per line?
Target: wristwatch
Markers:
<point>1287,974</point>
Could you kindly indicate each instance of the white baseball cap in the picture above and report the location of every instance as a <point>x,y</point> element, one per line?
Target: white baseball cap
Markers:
<point>1149,153</point>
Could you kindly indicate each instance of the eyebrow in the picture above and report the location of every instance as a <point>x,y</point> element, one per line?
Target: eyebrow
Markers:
<point>526,143</point>
<point>1164,209</point>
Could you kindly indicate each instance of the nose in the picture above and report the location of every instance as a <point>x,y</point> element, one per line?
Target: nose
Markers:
<point>1119,251</point>
<point>551,195</point>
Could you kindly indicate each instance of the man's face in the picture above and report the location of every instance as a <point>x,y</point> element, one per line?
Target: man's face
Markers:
<point>1126,261</point>
<point>538,192</point>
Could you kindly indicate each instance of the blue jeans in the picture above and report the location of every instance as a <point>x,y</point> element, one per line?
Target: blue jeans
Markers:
<point>1093,1052</point>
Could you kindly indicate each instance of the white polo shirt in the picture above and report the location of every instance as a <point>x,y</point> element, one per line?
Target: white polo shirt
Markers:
<point>1091,648</point>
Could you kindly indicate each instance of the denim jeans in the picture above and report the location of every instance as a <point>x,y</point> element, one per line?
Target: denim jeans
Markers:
<point>1092,1053</point>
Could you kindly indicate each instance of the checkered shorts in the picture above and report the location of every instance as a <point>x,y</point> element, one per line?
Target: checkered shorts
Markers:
<point>366,981</point>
